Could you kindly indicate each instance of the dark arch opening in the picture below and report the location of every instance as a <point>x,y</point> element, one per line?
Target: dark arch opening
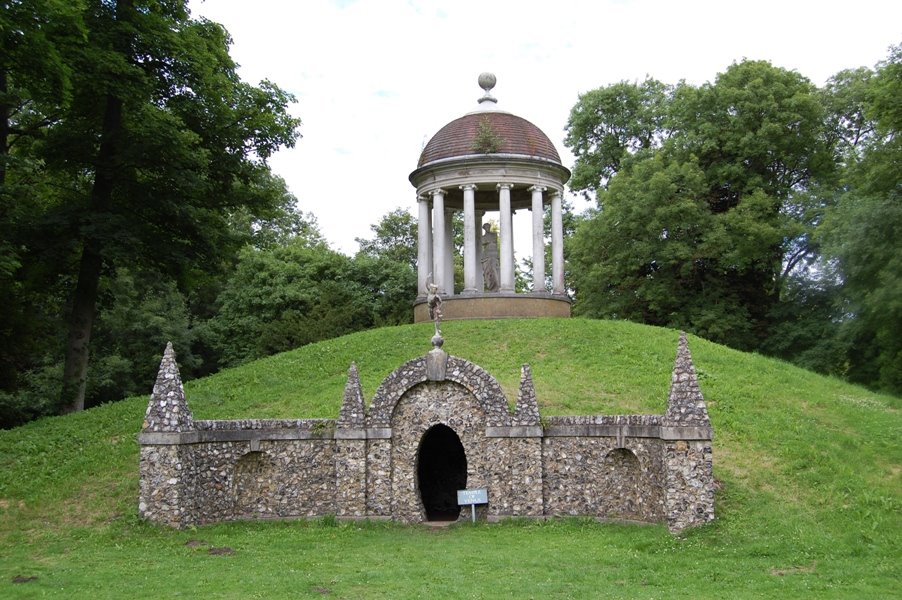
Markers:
<point>441,471</point>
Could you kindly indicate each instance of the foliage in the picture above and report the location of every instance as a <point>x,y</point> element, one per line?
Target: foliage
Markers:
<point>487,140</point>
<point>395,238</point>
<point>139,313</point>
<point>704,199</point>
<point>127,140</point>
<point>807,504</point>
<point>609,124</point>
<point>301,292</point>
<point>277,220</point>
<point>285,297</point>
<point>861,234</point>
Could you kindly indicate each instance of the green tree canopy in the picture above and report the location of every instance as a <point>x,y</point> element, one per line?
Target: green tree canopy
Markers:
<point>861,234</point>
<point>703,197</point>
<point>151,135</point>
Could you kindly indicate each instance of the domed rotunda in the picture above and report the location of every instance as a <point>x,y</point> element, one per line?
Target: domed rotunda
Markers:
<point>489,161</point>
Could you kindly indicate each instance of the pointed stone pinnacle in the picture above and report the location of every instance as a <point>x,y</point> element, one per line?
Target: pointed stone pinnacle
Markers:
<point>526,411</point>
<point>685,404</point>
<point>353,413</point>
<point>168,409</point>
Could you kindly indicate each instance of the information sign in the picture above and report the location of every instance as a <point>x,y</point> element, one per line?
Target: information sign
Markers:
<point>472,497</point>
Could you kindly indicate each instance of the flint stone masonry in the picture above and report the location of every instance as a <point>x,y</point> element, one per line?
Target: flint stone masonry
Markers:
<point>652,468</point>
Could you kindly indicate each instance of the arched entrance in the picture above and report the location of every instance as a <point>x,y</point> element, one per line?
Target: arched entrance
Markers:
<point>441,471</point>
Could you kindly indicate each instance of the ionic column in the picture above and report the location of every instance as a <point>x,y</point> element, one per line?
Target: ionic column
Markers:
<point>449,253</point>
<point>557,244</point>
<point>470,255</point>
<point>507,238</point>
<point>538,240</point>
<point>438,239</point>
<point>424,245</point>
<point>480,281</point>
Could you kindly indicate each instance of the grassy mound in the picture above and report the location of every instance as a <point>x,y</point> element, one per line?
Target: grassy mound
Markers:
<point>808,504</point>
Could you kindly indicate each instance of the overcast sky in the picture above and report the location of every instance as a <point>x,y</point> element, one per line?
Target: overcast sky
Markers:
<point>375,79</point>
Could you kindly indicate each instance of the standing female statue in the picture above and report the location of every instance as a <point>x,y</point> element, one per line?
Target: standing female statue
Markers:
<point>490,258</point>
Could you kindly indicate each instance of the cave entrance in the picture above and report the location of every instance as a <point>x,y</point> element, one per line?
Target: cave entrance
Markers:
<point>441,471</point>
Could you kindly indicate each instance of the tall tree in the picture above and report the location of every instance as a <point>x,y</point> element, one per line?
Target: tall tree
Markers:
<point>287,296</point>
<point>609,124</point>
<point>861,234</point>
<point>387,266</point>
<point>36,39</point>
<point>394,238</point>
<point>158,145</point>
<point>704,195</point>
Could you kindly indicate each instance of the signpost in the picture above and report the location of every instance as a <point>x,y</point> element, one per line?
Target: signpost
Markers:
<point>472,497</point>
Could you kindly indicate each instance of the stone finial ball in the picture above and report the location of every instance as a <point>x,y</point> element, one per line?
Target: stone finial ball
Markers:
<point>487,81</point>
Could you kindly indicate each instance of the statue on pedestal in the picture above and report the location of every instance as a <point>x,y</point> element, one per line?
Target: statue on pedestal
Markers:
<point>490,258</point>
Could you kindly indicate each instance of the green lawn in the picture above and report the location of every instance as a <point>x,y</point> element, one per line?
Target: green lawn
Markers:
<point>808,504</point>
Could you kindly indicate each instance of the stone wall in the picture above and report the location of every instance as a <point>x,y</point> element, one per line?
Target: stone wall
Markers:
<point>655,468</point>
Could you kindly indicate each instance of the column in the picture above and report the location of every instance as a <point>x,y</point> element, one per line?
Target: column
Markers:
<point>480,282</point>
<point>470,264</point>
<point>557,244</point>
<point>507,238</point>
<point>424,245</point>
<point>438,239</point>
<point>538,239</point>
<point>449,253</point>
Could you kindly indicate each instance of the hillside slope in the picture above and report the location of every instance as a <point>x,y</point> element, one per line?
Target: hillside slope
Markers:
<point>808,466</point>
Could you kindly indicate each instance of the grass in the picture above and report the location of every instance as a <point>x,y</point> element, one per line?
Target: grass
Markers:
<point>808,504</point>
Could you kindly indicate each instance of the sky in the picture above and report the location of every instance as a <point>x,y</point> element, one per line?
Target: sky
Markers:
<point>376,79</point>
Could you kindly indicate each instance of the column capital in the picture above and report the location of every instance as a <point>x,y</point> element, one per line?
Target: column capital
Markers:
<point>422,198</point>
<point>504,186</point>
<point>468,186</point>
<point>537,188</point>
<point>438,192</point>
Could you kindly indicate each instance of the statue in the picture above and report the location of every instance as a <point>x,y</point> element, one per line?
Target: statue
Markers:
<point>490,258</point>
<point>434,302</point>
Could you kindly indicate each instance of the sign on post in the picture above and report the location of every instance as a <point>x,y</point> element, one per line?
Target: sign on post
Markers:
<point>472,497</point>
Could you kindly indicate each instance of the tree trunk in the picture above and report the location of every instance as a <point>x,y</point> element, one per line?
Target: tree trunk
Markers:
<point>81,322</point>
<point>4,126</point>
<point>84,301</point>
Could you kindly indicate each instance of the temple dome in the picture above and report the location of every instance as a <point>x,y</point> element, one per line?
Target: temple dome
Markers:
<point>512,135</point>
<point>488,161</point>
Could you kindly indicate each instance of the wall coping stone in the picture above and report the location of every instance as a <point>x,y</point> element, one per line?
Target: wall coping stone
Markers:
<point>629,431</point>
<point>516,431</point>
<point>270,424</point>
<point>365,433</point>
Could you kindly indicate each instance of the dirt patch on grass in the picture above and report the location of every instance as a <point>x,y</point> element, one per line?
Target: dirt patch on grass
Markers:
<point>6,504</point>
<point>224,551</point>
<point>745,464</point>
<point>797,570</point>
<point>24,579</point>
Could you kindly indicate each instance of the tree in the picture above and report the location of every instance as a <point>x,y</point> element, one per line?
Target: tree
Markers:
<point>395,238</point>
<point>861,234</point>
<point>36,38</point>
<point>387,266</point>
<point>609,124</point>
<point>287,296</point>
<point>138,312</point>
<point>703,198</point>
<point>160,143</point>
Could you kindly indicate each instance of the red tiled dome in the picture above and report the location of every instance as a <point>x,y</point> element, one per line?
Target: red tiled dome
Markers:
<point>514,135</point>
